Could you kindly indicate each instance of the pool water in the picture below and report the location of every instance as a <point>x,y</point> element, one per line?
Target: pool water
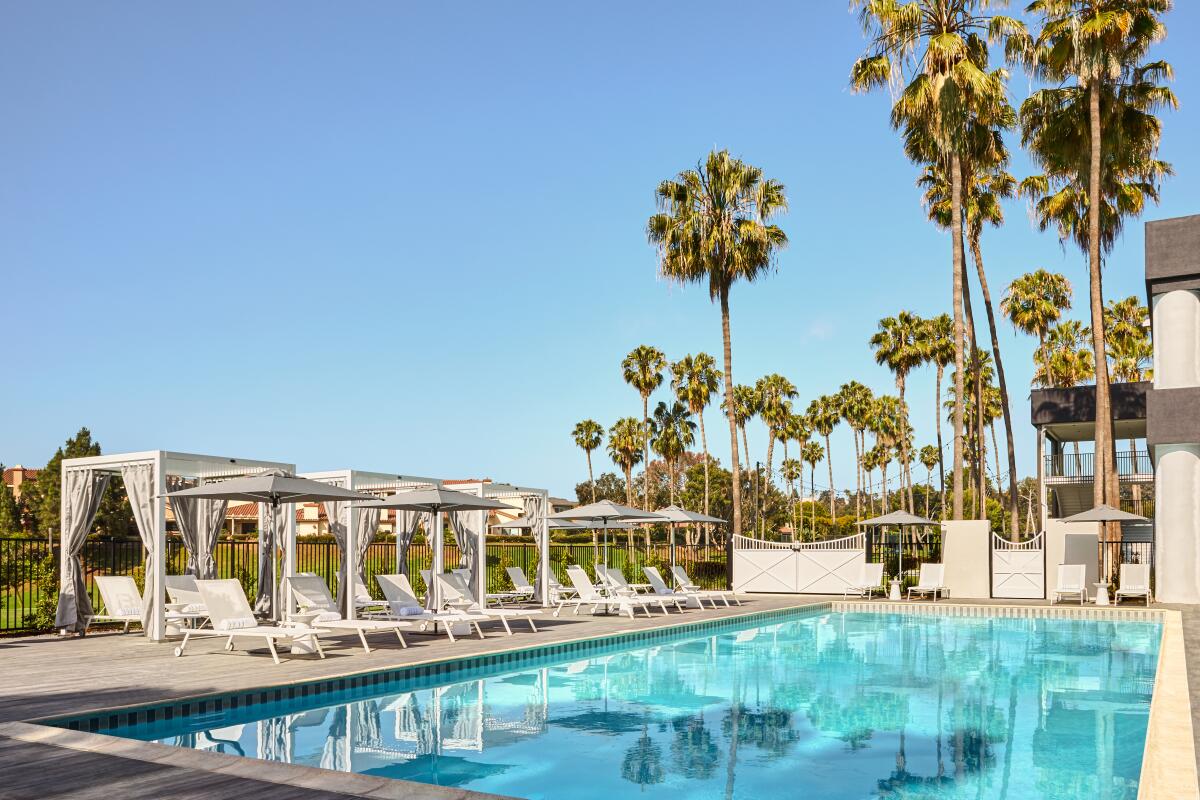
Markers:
<point>832,705</point>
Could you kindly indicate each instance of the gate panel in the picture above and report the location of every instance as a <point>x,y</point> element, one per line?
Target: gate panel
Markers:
<point>809,568</point>
<point>764,571</point>
<point>1019,570</point>
<point>828,571</point>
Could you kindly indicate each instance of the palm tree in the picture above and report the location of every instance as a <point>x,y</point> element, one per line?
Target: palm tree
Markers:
<point>1094,133</point>
<point>870,463</point>
<point>1125,325</point>
<point>986,182</point>
<point>938,344</point>
<point>642,369</point>
<point>746,405</point>
<point>856,402</point>
<point>715,229</point>
<point>824,414</point>
<point>589,435</point>
<point>1130,358</point>
<point>791,470</point>
<point>948,90</point>
<point>1036,301</point>
<point>812,453</point>
<point>695,380</point>
<point>626,445</point>
<point>775,394</point>
<point>881,456</point>
<point>898,346</point>
<point>672,432</point>
<point>930,458</point>
<point>795,428</point>
<point>889,427</point>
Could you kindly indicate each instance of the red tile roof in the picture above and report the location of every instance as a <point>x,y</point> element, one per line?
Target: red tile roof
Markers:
<point>29,474</point>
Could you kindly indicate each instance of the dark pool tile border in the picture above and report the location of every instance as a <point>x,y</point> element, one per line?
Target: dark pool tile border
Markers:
<point>100,721</point>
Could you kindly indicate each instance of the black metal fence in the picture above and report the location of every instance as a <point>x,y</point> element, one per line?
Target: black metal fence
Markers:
<point>904,551</point>
<point>29,567</point>
<point>1115,552</point>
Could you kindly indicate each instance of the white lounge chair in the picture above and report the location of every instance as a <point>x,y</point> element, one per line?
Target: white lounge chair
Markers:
<point>123,603</point>
<point>619,587</point>
<point>589,595</point>
<point>232,618</point>
<point>362,596</point>
<point>500,598</point>
<point>522,588</point>
<point>869,581</point>
<point>182,589</point>
<point>457,595</point>
<point>1071,581</point>
<point>683,595</point>
<point>930,581</point>
<point>121,600</point>
<point>312,594</point>
<point>682,581</point>
<point>403,605</point>
<point>1135,582</point>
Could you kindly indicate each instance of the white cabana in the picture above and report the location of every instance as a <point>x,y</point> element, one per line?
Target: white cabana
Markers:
<point>148,476</point>
<point>470,529</point>
<point>355,531</point>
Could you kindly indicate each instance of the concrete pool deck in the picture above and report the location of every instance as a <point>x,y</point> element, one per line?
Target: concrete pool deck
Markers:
<point>49,677</point>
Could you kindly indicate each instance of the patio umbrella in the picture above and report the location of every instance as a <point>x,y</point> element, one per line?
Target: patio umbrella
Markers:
<point>1104,513</point>
<point>525,523</point>
<point>606,512</point>
<point>272,488</point>
<point>678,515</point>
<point>900,519</point>
<point>435,501</point>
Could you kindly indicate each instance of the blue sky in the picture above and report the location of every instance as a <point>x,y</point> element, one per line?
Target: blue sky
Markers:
<point>410,237</point>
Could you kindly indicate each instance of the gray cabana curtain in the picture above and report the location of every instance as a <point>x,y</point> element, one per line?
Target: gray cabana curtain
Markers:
<point>268,541</point>
<point>468,529</point>
<point>535,509</point>
<point>139,486</point>
<point>199,522</point>
<point>337,513</point>
<point>82,491</point>
<point>406,529</point>
<point>368,526</point>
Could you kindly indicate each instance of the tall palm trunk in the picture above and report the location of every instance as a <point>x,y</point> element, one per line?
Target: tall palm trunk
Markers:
<point>937,419</point>
<point>1013,504</point>
<point>735,463</point>
<point>646,452</point>
<point>592,481</point>
<point>832,493</point>
<point>812,487</point>
<point>977,417</point>
<point>704,446</point>
<point>886,506</point>
<point>905,475</point>
<point>770,451</point>
<point>629,485</point>
<point>1105,486</point>
<point>928,491</point>
<point>956,243</point>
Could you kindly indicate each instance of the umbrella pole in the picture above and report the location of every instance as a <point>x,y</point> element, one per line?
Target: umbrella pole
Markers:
<point>274,558</point>
<point>671,528</point>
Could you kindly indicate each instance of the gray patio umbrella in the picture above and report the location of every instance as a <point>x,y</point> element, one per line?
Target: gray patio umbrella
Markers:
<point>436,501</point>
<point>1104,513</point>
<point>525,523</point>
<point>272,488</point>
<point>678,515</point>
<point>900,519</point>
<point>605,512</point>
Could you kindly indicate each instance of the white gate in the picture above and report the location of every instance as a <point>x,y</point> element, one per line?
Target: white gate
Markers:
<point>802,568</point>
<point>1019,568</point>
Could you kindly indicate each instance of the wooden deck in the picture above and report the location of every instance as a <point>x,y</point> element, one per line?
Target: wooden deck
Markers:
<point>47,676</point>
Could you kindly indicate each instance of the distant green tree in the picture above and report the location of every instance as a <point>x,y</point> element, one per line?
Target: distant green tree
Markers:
<point>609,486</point>
<point>10,513</point>
<point>42,497</point>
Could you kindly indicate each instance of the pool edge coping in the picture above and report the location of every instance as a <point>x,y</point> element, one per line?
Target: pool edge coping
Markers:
<point>1160,779</point>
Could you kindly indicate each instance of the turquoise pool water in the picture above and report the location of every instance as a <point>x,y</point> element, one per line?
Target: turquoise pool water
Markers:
<point>831,706</point>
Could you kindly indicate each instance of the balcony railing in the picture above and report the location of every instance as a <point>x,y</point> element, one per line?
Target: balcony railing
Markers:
<point>1130,463</point>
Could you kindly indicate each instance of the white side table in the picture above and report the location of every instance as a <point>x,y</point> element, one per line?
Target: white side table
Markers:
<point>303,621</point>
<point>894,592</point>
<point>1101,594</point>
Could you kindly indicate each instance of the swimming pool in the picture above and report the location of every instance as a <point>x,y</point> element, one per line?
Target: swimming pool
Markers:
<point>823,705</point>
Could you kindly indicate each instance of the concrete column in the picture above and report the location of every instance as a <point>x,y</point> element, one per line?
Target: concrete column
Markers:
<point>1177,339</point>
<point>1177,523</point>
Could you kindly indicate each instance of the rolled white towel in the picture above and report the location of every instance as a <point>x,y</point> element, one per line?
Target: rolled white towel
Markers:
<point>237,623</point>
<point>407,611</point>
<point>328,616</point>
<point>131,611</point>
